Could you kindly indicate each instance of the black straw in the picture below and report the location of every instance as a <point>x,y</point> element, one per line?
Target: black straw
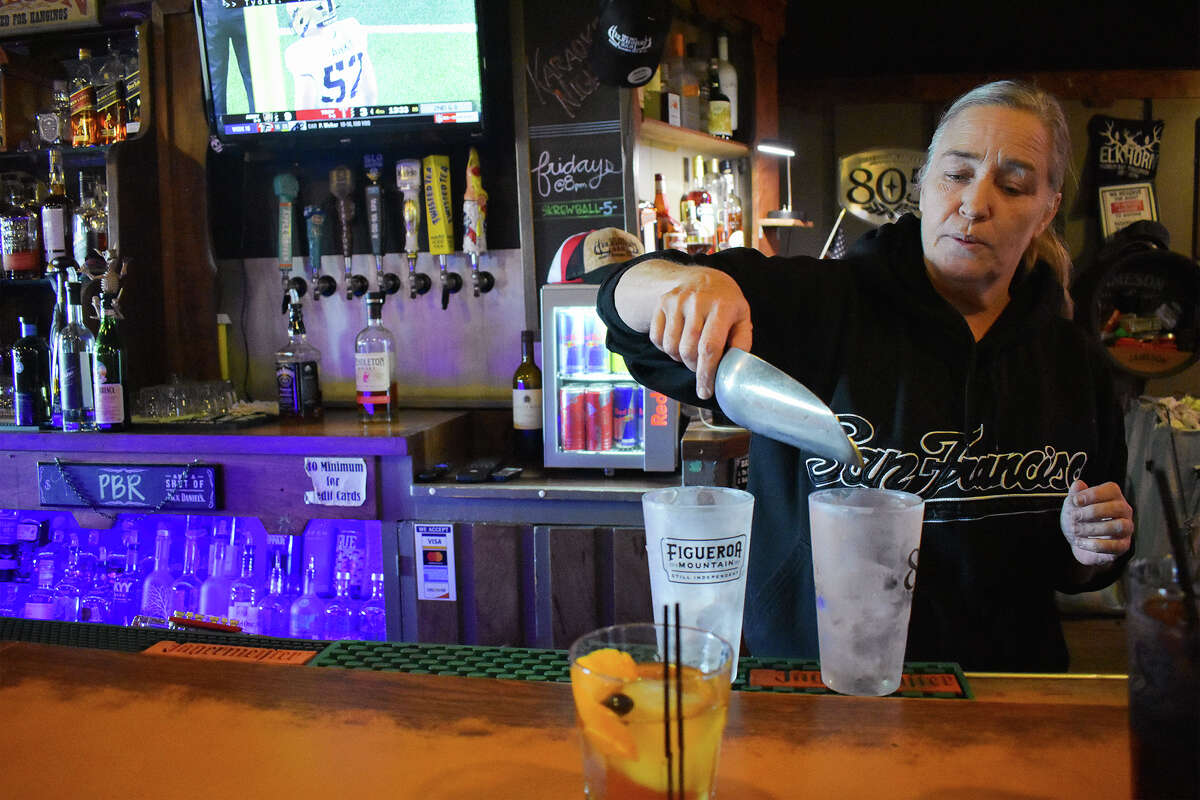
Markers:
<point>679,697</point>
<point>667,701</point>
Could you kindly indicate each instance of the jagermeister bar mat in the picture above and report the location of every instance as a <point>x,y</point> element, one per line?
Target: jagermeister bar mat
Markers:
<point>791,676</point>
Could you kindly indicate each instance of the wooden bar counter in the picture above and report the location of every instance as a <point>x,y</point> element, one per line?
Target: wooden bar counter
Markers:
<point>99,724</point>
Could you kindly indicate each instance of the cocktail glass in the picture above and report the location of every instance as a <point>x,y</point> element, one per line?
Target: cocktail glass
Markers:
<point>628,712</point>
<point>865,544</point>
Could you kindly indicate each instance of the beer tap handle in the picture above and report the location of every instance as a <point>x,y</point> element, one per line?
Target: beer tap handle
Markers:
<point>475,201</point>
<point>286,188</point>
<point>387,282</point>
<point>452,282</point>
<point>408,181</point>
<point>418,282</point>
<point>323,285</point>
<point>482,280</point>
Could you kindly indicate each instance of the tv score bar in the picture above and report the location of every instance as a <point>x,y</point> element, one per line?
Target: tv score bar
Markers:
<point>356,117</point>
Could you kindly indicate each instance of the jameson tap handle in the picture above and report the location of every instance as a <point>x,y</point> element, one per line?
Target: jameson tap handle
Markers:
<point>387,282</point>
<point>318,244</point>
<point>408,181</point>
<point>341,186</point>
<point>286,188</point>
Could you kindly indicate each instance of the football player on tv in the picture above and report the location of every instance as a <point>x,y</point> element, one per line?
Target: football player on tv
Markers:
<point>329,63</point>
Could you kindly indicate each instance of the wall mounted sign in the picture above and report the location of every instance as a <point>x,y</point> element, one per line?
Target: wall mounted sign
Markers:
<point>26,16</point>
<point>155,487</point>
<point>336,481</point>
<point>1124,204</point>
<point>434,546</point>
<point>882,185</point>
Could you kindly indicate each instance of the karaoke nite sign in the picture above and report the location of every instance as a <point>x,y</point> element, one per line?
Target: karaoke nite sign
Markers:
<point>882,185</point>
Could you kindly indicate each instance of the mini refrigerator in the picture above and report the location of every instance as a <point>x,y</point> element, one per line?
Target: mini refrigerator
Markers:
<point>594,413</point>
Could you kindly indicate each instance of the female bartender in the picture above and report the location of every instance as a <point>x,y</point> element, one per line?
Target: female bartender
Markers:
<point>945,346</point>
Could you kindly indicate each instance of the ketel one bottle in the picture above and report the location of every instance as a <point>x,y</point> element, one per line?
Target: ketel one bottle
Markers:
<point>375,365</point>
<point>108,371</point>
<point>31,377</point>
<point>296,369</point>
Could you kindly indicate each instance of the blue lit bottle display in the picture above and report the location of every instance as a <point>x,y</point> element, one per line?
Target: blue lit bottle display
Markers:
<point>372,617</point>
<point>40,602</point>
<point>308,610</point>
<point>185,591</point>
<point>214,592</point>
<point>127,586</point>
<point>273,610</point>
<point>156,591</point>
<point>340,614</point>
<point>243,595</point>
<point>71,587</point>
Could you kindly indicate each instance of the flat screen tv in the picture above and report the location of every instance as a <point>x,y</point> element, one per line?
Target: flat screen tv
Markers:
<point>309,70</point>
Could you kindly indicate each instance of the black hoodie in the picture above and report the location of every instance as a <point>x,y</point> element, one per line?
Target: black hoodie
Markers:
<point>991,434</point>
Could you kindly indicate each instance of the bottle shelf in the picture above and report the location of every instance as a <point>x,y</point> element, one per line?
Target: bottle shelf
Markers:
<point>672,137</point>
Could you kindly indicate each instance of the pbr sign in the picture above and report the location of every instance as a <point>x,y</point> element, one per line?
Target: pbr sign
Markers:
<point>880,186</point>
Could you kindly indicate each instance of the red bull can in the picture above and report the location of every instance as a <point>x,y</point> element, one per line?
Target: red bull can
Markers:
<point>595,354</point>
<point>626,398</point>
<point>640,401</point>
<point>599,424</point>
<point>572,418</point>
<point>570,343</point>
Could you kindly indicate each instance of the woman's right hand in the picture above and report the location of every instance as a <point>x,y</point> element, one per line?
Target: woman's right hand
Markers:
<point>692,313</point>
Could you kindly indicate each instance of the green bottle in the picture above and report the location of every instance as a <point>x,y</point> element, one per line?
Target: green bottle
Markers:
<point>108,371</point>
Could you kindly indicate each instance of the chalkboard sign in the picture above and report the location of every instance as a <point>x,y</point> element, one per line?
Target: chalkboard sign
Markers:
<point>576,160</point>
<point>167,487</point>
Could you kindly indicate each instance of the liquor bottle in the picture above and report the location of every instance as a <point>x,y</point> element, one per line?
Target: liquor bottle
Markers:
<point>720,122</point>
<point>706,211</point>
<point>51,559</point>
<point>39,603</point>
<point>56,211</point>
<point>684,83</point>
<point>375,365</point>
<point>76,348</point>
<point>89,226</point>
<point>527,405</point>
<point>273,611</point>
<point>699,67</point>
<point>214,592</point>
<point>156,590</point>
<point>372,617</point>
<point>93,556</point>
<point>108,372</point>
<point>84,125</point>
<point>31,376</point>
<point>297,370</point>
<point>69,590</point>
<point>243,594</point>
<point>666,229</point>
<point>127,585</point>
<point>728,77</point>
<point>340,614</point>
<point>20,244</point>
<point>695,238</point>
<point>308,610</point>
<point>110,98</point>
<point>732,212</point>
<point>96,605</point>
<point>185,591</point>
<point>60,272</point>
<point>133,92</point>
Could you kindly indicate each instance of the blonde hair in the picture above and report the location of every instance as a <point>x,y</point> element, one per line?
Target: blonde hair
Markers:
<point>1047,246</point>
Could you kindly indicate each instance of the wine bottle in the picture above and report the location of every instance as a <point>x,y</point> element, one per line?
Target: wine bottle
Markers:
<point>527,405</point>
<point>720,120</point>
<point>108,371</point>
<point>31,376</point>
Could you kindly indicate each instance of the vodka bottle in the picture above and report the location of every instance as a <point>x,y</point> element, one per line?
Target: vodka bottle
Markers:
<point>51,560</point>
<point>70,589</point>
<point>40,602</point>
<point>96,605</point>
<point>127,586</point>
<point>76,347</point>
<point>156,591</point>
<point>297,373</point>
<point>11,603</point>
<point>243,594</point>
<point>340,614</point>
<point>31,376</point>
<point>732,207</point>
<point>375,365</point>
<point>372,617</point>
<point>93,556</point>
<point>706,210</point>
<point>274,610</point>
<point>214,592</point>
<point>308,610</point>
<point>185,591</point>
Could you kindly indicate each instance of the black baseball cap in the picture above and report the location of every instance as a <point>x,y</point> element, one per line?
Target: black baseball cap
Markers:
<point>628,41</point>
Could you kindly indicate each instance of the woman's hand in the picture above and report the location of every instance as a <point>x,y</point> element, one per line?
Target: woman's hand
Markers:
<point>1097,522</point>
<point>692,313</point>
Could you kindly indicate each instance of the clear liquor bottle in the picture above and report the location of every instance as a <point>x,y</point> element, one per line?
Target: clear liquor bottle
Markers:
<point>732,211</point>
<point>40,602</point>
<point>89,226</point>
<point>108,371</point>
<point>297,373</point>
<point>93,557</point>
<point>243,594</point>
<point>20,244</point>
<point>127,585</point>
<point>84,124</point>
<point>51,560</point>
<point>372,617</point>
<point>11,602</point>
<point>56,211</point>
<point>69,591</point>
<point>341,613</point>
<point>273,610</point>
<point>156,590</point>
<point>185,591</point>
<point>31,376</point>
<point>214,592</point>
<point>527,405</point>
<point>96,605</point>
<point>60,273</point>
<point>308,610</point>
<point>76,348</point>
<point>706,211</point>
<point>375,365</point>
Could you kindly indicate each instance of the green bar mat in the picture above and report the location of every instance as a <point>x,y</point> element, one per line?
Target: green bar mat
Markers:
<point>119,637</point>
<point>791,676</point>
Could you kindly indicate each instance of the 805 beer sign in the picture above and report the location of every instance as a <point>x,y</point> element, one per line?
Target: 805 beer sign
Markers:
<point>880,186</point>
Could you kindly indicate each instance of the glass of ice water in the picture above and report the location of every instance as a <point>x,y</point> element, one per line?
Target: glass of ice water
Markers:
<point>865,544</point>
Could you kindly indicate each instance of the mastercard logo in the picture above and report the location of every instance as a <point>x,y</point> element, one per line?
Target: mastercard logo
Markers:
<point>434,557</point>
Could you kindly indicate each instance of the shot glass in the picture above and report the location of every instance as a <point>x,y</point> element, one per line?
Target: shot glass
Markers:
<point>627,703</point>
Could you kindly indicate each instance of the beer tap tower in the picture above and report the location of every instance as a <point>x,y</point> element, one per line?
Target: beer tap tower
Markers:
<point>387,282</point>
<point>318,239</point>
<point>438,222</point>
<point>341,185</point>
<point>286,189</point>
<point>475,225</point>
<point>408,181</point>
